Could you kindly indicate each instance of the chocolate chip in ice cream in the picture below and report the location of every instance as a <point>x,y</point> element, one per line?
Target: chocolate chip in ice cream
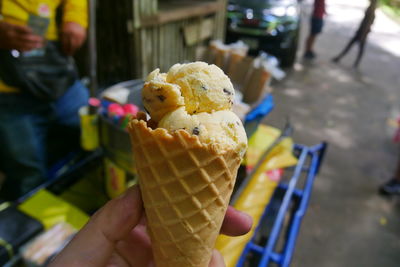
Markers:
<point>226,91</point>
<point>196,131</point>
<point>161,97</point>
<point>147,99</point>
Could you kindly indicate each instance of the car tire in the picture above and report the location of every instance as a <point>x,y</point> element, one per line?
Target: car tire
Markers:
<point>289,56</point>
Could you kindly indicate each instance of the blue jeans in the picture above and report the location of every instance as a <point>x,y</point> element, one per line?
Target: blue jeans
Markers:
<point>25,123</point>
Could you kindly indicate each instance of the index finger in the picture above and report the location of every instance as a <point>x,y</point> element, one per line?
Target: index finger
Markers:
<point>22,29</point>
<point>67,44</point>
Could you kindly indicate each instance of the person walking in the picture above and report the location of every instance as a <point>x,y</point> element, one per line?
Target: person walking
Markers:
<point>360,35</point>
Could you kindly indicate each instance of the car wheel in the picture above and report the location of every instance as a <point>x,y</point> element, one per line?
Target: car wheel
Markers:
<point>289,56</point>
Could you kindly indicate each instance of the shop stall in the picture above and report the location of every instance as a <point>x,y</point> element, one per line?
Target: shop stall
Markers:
<point>274,183</point>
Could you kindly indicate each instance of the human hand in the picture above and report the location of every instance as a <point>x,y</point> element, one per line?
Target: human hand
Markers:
<point>72,37</point>
<point>18,37</point>
<point>116,236</point>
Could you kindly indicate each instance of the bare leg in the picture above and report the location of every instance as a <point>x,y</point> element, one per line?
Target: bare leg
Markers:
<point>361,48</point>
<point>345,50</point>
<point>310,43</point>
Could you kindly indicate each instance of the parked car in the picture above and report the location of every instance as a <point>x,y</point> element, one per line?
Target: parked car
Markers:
<point>272,26</point>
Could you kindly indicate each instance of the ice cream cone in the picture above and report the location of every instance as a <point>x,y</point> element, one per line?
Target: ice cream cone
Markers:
<point>186,186</point>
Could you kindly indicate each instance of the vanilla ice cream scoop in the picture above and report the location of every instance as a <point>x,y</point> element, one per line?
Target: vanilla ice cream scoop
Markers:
<point>204,87</point>
<point>197,86</point>
<point>198,98</point>
<point>222,128</point>
<point>160,97</point>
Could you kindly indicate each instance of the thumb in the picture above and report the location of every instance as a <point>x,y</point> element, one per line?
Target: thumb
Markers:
<point>95,242</point>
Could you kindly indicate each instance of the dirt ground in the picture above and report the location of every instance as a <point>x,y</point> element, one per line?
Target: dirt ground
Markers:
<point>347,222</point>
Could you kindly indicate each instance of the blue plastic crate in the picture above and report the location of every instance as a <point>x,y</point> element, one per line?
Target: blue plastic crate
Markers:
<point>261,110</point>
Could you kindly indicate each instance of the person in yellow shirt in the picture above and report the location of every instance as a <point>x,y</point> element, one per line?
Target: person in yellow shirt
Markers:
<point>37,39</point>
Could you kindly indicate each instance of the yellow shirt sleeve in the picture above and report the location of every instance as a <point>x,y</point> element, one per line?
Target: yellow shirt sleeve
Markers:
<point>4,88</point>
<point>76,11</point>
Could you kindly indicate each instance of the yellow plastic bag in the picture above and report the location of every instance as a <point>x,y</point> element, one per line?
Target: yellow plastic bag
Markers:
<point>261,140</point>
<point>257,194</point>
<point>50,210</point>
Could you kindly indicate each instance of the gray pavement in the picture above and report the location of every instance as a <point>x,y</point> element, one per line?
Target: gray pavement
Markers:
<point>347,223</point>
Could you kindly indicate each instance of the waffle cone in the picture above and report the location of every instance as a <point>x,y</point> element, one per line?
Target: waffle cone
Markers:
<point>186,186</point>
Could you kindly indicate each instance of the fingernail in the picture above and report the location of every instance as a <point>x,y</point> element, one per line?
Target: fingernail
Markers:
<point>249,218</point>
<point>245,214</point>
<point>132,191</point>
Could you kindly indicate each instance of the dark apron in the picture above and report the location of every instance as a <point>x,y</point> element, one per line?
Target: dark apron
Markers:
<point>46,74</point>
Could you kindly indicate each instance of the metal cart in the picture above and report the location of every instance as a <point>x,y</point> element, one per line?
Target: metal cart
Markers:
<point>275,236</point>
